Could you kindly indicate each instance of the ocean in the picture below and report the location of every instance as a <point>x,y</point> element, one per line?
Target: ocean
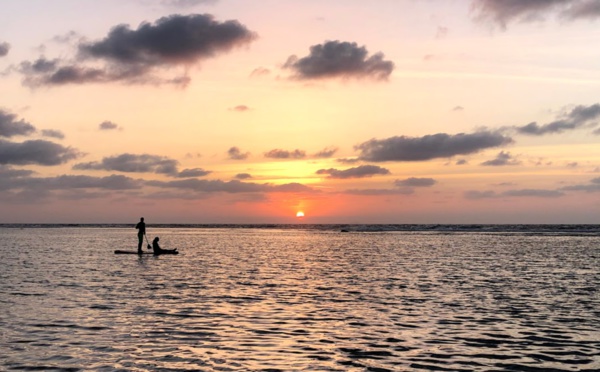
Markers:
<point>301,298</point>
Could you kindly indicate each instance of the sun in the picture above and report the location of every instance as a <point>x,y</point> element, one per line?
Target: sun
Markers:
<point>300,214</point>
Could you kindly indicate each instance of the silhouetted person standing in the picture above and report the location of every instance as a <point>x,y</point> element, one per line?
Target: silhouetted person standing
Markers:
<point>141,227</point>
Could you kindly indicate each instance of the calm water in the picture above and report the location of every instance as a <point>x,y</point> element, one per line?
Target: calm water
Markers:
<point>299,300</point>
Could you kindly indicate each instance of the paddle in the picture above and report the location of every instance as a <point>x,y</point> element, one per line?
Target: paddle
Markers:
<point>149,246</point>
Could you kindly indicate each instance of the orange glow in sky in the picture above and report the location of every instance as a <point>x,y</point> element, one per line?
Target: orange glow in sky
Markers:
<point>429,112</point>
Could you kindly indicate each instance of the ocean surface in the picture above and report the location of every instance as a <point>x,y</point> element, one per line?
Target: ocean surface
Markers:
<point>301,298</point>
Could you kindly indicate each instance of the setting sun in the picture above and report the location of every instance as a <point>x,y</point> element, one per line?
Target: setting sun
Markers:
<point>300,214</point>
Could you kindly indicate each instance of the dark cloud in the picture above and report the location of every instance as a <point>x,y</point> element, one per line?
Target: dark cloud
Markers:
<point>429,147</point>
<point>15,179</point>
<point>9,172</point>
<point>38,152</point>
<point>326,152</point>
<point>195,172</point>
<point>578,117</point>
<point>348,160</point>
<point>361,171</point>
<point>536,193</point>
<point>10,126</point>
<point>592,186</point>
<point>415,182</point>
<point>4,48</point>
<point>284,154</point>
<point>243,176</point>
<point>107,125</point>
<point>132,163</point>
<point>235,153</point>
<point>583,9</point>
<point>53,133</point>
<point>336,59</point>
<point>134,56</point>
<point>503,158</point>
<point>234,186</point>
<point>504,12</point>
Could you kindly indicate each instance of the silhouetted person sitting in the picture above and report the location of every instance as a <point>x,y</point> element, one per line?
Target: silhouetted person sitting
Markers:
<point>157,249</point>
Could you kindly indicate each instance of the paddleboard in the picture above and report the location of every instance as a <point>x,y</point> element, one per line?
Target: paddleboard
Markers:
<point>118,251</point>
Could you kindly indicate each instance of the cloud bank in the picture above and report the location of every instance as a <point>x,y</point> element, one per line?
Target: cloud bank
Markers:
<point>135,56</point>
<point>429,147</point>
<point>357,172</point>
<point>503,12</point>
<point>38,152</point>
<point>133,163</point>
<point>578,117</point>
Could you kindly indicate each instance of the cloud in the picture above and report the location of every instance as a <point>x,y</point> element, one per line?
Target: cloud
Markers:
<point>415,182</point>
<point>235,153</point>
<point>243,176</point>
<point>378,192</point>
<point>9,172</point>
<point>260,71</point>
<point>183,4</point>
<point>234,186</point>
<point>107,125</point>
<point>593,186</point>
<point>4,48</point>
<point>361,171</point>
<point>503,158</point>
<point>429,147</point>
<point>326,152</point>
<point>10,126</point>
<point>536,193</point>
<point>284,154</point>
<point>52,133</point>
<point>458,108</point>
<point>240,108</point>
<point>583,9</point>
<point>579,116</point>
<point>132,163</point>
<point>348,160</point>
<point>195,172</point>
<point>504,12</point>
<point>11,179</point>
<point>38,152</point>
<point>336,59</point>
<point>134,56</point>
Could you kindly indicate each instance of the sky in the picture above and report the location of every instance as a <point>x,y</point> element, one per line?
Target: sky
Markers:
<point>237,111</point>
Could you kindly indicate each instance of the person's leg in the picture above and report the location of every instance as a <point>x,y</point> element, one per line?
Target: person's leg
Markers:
<point>140,241</point>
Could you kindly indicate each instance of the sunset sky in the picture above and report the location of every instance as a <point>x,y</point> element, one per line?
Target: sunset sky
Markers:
<point>238,111</point>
